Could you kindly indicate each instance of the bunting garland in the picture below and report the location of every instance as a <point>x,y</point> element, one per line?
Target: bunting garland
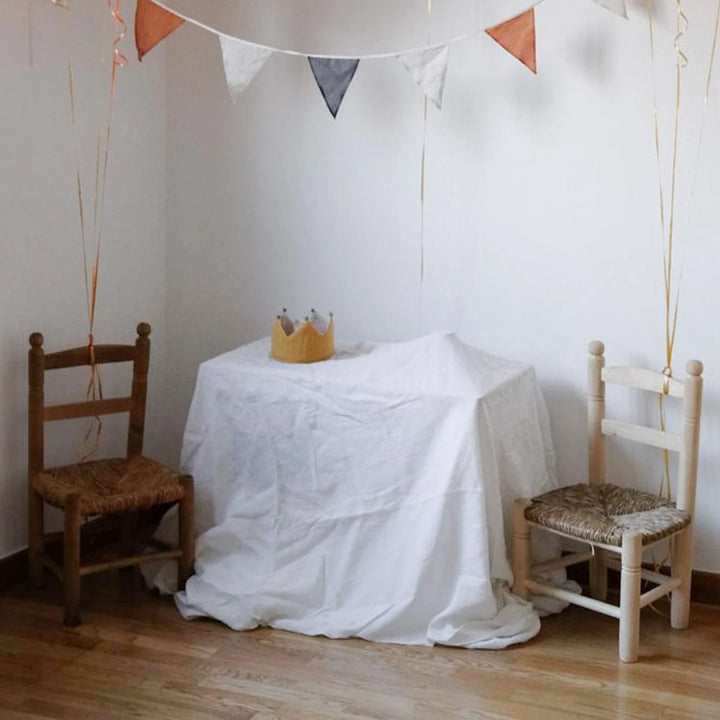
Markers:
<point>517,36</point>
<point>242,62</point>
<point>333,76</point>
<point>428,69</point>
<point>242,59</point>
<point>153,24</point>
<point>614,6</point>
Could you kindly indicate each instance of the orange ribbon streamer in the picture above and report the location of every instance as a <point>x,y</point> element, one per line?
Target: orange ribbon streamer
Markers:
<point>94,389</point>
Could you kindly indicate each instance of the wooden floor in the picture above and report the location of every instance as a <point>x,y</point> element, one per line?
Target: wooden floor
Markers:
<point>136,658</point>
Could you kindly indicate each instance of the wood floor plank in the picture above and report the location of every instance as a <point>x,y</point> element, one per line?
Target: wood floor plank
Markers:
<point>135,657</point>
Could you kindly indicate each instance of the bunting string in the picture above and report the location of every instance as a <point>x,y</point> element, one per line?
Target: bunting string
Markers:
<point>367,56</point>
<point>243,59</point>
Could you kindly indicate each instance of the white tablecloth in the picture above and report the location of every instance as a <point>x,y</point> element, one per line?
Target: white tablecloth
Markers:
<point>368,495</point>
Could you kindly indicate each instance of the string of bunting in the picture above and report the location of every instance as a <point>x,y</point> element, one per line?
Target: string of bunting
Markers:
<point>427,66</point>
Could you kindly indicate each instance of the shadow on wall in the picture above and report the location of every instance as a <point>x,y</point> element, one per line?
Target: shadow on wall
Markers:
<point>568,424</point>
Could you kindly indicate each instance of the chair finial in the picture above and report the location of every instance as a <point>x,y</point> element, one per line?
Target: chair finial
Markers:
<point>36,340</point>
<point>694,367</point>
<point>596,348</point>
<point>143,329</point>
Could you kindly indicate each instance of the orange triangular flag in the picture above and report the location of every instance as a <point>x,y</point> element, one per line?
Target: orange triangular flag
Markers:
<point>517,36</point>
<point>152,24</point>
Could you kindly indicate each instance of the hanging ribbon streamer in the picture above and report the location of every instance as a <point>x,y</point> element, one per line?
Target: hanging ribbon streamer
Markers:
<point>91,267</point>
<point>671,308</point>
<point>423,156</point>
<point>706,103</point>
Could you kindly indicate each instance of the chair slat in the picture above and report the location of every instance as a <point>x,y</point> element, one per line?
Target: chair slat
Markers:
<point>642,434</point>
<point>659,591</point>
<point>575,598</point>
<point>81,356</point>
<point>643,379</point>
<point>90,408</point>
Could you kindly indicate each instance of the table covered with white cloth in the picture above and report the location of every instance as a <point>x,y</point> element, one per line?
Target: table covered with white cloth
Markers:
<point>368,495</point>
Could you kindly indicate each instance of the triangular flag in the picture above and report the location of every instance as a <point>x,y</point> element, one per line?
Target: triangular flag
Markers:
<point>152,24</point>
<point>333,76</point>
<point>615,6</point>
<point>517,36</point>
<point>242,62</point>
<point>428,68</point>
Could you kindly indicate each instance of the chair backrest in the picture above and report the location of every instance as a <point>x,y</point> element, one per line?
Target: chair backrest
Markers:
<point>686,443</point>
<point>134,404</point>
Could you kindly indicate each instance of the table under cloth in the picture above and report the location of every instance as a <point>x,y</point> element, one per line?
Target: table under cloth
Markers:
<point>367,496</point>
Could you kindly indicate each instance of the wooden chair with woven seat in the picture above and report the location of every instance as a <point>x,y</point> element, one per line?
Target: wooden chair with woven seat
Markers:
<point>620,522</point>
<point>116,486</point>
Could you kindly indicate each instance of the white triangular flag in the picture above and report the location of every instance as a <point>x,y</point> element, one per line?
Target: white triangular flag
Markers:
<point>428,68</point>
<point>242,62</point>
<point>615,6</point>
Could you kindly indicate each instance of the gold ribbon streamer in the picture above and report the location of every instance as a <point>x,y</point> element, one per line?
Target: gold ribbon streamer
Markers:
<point>706,103</point>
<point>671,309</point>
<point>656,121</point>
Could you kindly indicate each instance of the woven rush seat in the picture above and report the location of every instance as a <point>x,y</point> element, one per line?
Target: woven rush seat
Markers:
<point>110,486</point>
<point>603,513</point>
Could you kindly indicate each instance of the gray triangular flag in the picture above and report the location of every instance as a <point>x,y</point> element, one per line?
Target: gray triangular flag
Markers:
<point>428,68</point>
<point>616,6</point>
<point>333,76</point>
<point>242,62</point>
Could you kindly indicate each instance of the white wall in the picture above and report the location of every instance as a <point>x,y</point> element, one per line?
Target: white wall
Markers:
<point>41,276</point>
<point>541,211</point>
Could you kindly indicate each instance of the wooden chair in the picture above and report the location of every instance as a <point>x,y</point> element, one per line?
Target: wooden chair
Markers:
<point>616,521</point>
<point>98,487</point>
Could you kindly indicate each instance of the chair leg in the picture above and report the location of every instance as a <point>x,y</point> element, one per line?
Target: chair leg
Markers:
<point>71,560</point>
<point>36,533</point>
<point>187,531</point>
<point>598,575</point>
<point>521,549</point>
<point>630,596</point>
<point>682,568</point>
